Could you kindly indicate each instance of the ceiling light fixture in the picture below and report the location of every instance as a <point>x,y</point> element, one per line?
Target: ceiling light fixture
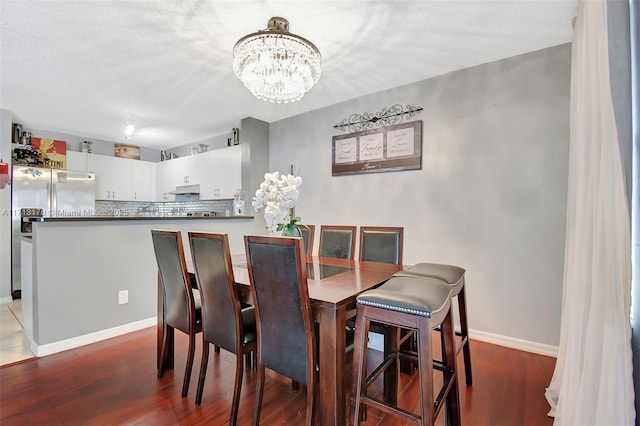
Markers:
<point>275,65</point>
<point>128,131</point>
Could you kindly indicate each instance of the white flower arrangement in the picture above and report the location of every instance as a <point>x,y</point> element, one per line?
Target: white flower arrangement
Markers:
<point>276,199</point>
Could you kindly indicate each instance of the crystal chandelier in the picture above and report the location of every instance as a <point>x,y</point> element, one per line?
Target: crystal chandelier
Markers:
<point>275,65</point>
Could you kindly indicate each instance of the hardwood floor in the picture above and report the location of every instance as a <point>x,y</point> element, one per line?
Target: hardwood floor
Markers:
<point>114,382</point>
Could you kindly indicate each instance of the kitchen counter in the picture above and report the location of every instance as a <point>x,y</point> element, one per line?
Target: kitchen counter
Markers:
<point>123,217</point>
<point>79,265</point>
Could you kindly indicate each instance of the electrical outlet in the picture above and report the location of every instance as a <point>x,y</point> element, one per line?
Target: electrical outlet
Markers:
<point>123,297</point>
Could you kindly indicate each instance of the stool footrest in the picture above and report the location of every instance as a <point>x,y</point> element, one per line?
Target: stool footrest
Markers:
<point>389,409</point>
<point>379,370</point>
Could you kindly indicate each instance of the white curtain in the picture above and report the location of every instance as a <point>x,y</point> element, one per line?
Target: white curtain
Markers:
<point>592,383</point>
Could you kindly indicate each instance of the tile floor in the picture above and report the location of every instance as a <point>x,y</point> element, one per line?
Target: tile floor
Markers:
<point>13,345</point>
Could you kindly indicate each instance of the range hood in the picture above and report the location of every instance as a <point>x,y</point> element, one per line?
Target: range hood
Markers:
<point>186,190</point>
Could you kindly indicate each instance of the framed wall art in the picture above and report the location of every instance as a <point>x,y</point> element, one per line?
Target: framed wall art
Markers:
<point>127,151</point>
<point>386,149</point>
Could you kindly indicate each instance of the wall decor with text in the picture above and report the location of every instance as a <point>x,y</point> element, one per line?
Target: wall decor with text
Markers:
<point>390,148</point>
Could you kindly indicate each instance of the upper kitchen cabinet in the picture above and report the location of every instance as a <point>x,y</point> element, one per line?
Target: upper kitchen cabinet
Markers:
<point>218,172</point>
<point>122,178</point>
<point>173,173</point>
<point>144,180</point>
<point>77,161</point>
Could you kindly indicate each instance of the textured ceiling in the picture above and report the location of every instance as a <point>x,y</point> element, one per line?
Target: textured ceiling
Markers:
<point>88,67</point>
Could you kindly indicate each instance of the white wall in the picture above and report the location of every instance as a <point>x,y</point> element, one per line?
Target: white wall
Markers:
<point>5,210</point>
<point>491,194</point>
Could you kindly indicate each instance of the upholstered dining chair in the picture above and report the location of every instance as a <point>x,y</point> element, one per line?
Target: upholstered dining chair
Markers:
<point>337,241</point>
<point>381,244</point>
<point>286,336</point>
<point>181,309</point>
<point>308,232</point>
<point>224,322</point>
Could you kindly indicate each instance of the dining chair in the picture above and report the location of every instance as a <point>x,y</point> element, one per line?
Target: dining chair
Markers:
<point>224,322</point>
<point>308,232</point>
<point>381,244</point>
<point>337,241</point>
<point>286,336</point>
<point>384,244</point>
<point>182,309</point>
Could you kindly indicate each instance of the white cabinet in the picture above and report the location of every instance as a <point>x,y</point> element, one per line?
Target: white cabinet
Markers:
<point>122,178</point>
<point>218,172</point>
<point>113,176</point>
<point>77,161</point>
<point>144,180</point>
<point>169,174</point>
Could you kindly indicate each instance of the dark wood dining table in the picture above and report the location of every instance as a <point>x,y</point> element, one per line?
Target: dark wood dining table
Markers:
<point>333,287</point>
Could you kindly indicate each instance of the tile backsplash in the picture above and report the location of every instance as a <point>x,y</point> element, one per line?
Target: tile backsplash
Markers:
<point>166,208</point>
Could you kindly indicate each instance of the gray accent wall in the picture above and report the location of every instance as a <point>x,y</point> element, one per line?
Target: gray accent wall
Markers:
<point>490,197</point>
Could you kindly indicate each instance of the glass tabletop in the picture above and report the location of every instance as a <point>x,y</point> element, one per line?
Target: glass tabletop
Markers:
<point>324,271</point>
<point>314,271</point>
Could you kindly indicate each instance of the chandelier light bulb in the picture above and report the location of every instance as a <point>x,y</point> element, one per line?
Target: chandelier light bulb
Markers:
<point>275,65</point>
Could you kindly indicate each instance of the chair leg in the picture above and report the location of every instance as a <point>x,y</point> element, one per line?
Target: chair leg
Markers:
<point>311,400</point>
<point>216,349</point>
<point>187,370</point>
<point>466,351</point>
<point>164,352</point>
<point>259,392</point>
<point>203,370</point>
<point>425,371</point>
<point>452,398</point>
<point>360,363</point>
<point>237,387</point>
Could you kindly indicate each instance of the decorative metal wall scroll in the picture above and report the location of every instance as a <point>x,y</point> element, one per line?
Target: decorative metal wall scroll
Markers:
<point>390,148</point>
<point>385,117</point>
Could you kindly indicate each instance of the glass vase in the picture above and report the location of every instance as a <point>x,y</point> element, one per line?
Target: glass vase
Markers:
<point>291,231</point>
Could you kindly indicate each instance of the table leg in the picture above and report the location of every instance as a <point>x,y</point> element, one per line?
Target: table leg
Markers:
<point>161,330</point>
<point>332,398</point>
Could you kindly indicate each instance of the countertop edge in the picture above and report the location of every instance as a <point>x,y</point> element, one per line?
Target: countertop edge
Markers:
<point>129,218</point>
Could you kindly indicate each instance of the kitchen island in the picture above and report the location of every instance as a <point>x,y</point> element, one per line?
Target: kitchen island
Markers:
<point>80,265</point>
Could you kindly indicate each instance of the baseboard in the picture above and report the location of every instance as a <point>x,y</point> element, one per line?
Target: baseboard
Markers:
<point>6,300</point>
<point>514,343</point>
<point>74,342</point>
<point>376,341</point>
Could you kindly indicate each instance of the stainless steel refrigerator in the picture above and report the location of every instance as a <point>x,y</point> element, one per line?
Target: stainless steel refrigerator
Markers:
<point>46,193</point>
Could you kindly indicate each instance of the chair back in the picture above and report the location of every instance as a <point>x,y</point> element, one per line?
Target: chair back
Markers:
<point>278,277</point>
<point>337,241</point>
<point>179,304</point>
<point>381,244</point>
<point>308,232</point>
<point>221,316</point>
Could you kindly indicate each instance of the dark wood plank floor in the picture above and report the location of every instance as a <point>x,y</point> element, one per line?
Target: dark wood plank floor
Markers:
<point>114,382</point>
